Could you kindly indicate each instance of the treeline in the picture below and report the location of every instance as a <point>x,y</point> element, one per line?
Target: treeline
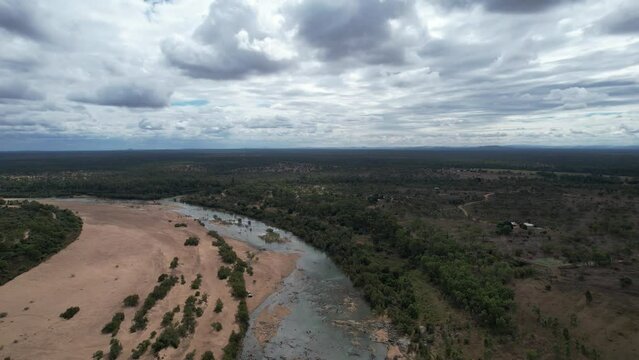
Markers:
<point>30,232</point>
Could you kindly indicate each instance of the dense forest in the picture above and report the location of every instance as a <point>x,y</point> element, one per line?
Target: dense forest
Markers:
<point>30,232</point>
<point>435,239</point>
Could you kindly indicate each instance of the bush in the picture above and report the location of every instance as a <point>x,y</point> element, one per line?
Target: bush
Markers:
<point>168,337</point>
<point>190,356</point>
<point>177,225</point>
<point>217,326</point>
<point>114,326</point>
<point>70,312</point>
<point>167,319</point>
<point>131,300</point>
<point>192,241</point>
<point>115,349</point>
<point>219,305</point>
<point>207,356</point>
<point>140,349</point>
<point>625,282</point>
<point>98,355</point>
<point>223,272</point>
<point>174,263</point>
<point>197,282</point>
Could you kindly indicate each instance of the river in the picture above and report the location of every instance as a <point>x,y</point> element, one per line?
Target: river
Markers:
<point>328,318</point>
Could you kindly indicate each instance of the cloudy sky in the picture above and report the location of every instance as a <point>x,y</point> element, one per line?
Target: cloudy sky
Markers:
<point>115,74</point>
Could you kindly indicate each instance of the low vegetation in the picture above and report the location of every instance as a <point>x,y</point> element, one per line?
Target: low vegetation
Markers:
<point>140,349</point>
<point>131,300</point>
<point>113,326</point>
<point>159,292</point>
<point>70,312</point>
<point>174,263</point>
<point>115,349</point>
<point>219,305</point>
<point>192,241</point>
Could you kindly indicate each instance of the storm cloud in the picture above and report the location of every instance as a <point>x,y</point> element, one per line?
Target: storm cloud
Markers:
<point>286,73</point>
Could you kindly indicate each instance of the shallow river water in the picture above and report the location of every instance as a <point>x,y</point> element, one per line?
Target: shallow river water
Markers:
<point>321,299</point>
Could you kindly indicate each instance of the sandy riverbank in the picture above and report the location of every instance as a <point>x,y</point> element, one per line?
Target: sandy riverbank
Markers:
<point>122,250</point>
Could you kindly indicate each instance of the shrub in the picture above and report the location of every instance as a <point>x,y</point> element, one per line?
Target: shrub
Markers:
<point>167,319</point>
<point>174,263</point>
<point>588,296</point>
<point>162,277</point>
<point>114,326</point>
<point>190,356</point>
<point>177,225</point>
<point>192,241</point>
<point>219,305</point>
<point>70,312</point>
<point>140,349</point>
<point>168,337</point>
<point>217,326</point>
<point>115,349</point>
<point>207,356</point>
<point>98,355</point>
<point>197,282</point>
<point>131,300</point>
<point>223,272</point>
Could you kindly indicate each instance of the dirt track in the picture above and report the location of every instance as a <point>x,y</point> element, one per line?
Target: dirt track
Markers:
<point>121,251</point>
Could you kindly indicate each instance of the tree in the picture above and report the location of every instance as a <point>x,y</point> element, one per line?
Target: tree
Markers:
<point>219,305</point>
<point>174,263</point>
<point>131,300</point>
<point>115,349</point>
<point>70,312</point>
<point>208,356</point>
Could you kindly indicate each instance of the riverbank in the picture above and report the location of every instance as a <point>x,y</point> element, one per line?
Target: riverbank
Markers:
<point>122,250</point>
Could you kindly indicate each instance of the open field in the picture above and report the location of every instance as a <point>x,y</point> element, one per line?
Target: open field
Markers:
<point>122,250</point>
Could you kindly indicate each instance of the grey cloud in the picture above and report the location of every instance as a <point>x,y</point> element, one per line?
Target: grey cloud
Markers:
<point>125,95</point>
<point>19,17</point>
<point>624,20</point>
<point>227,45</point>
<point>277,122</point>
<point>509,6</point>
<point>18,90</point>
<point>358,28</point>
<point>145,124</point>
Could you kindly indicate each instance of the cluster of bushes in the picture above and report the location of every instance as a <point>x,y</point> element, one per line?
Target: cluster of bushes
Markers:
<point>113,326</point>
<point>223,272</point>
<point>172,333</point>
<point>192,241</point>
<point>140,349</point>
<point>215,235</point>
<point>226,252</point>
<point>70,312</point>
<point>159,292</point>
<point>30,233</point>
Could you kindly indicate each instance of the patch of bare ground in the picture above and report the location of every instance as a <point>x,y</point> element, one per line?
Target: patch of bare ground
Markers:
<point>268,322</point>
<point>121,251</point>
<point>608,324</point>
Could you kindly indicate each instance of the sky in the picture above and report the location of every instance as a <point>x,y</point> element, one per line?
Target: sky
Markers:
<point>160,74</point>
